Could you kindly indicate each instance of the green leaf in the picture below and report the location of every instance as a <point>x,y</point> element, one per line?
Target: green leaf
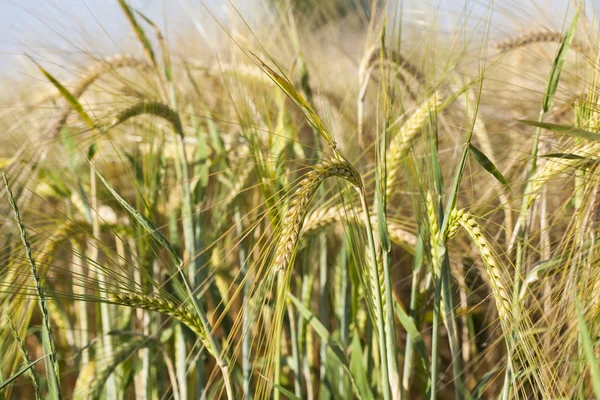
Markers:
<point>21,372</point>
<point>334,348</point>
<point>566,156</point>
<point>282,390</point>
<point>69,97</point>
<point>569,130</point>
<point>488,165</point>
<point>92,150</point>
<point>139,32</point>
<point>293,94</point>
<point>358,368</point>
<point>410,327</point>
<point>382,227</point>
<point>480,386</point>
<point>588,348</point>
<point>142,220</point>
<point>559,61</point>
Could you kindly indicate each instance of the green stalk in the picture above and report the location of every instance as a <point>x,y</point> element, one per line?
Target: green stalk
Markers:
<point>344,317</point>
<point>141,379</point>
<point>180,345</point>
<point>278,332</point>
<point>295,352</point>
<point>111,383</point>
<point>409,348</point>
<point>435,335</point>
<point>390,330</point>
<point>304,335</point>
<point>180,361</point>
<point>81,315</point>
<point>246,318</point>
<point>52,370</point>
<point>379,307</point>
<point>323,314</point>
<point>221,360</point>
<point>442,265</point>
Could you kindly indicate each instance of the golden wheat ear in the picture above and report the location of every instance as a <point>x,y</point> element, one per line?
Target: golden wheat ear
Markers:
<point>299,203</point>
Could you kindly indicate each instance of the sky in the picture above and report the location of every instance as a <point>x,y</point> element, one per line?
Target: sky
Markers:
<point>40,28</point>
<point>54,30</point>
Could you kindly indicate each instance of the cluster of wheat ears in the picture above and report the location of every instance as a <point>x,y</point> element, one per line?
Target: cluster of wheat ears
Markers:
<point>415,220</point>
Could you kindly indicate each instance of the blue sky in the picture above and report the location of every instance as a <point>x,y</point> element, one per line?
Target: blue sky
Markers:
<point>44,27</point>
<point>61,28</point>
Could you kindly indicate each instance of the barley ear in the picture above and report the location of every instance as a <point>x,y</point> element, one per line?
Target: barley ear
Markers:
<point>300,201</point>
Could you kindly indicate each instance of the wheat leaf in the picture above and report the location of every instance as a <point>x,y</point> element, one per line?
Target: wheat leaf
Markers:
<point>488,165</point>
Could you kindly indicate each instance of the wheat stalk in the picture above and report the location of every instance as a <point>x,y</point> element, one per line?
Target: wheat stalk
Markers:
<point>298,205</point>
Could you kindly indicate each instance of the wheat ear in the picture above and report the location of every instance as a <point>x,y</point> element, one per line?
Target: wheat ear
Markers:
<point>373,56</point>
<point>499,290</point>
<point>163,306</point>
<point>298,205</point>
<point>400,143</point>
<point>155,108</point>
<point>25,354</point>
<point>376,52</point>
<point>530,38</point>
<point>93,73</point>
<point>553,167</point>
<point>325,217</point>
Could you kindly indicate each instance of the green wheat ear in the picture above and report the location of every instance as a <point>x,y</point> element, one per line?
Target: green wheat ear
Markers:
<point>163,306</point>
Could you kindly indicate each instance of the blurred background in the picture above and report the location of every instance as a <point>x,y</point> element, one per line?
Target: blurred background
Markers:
<point>51,30</point>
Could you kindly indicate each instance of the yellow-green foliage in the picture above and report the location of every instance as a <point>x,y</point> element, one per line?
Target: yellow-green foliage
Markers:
<point>337,202</point>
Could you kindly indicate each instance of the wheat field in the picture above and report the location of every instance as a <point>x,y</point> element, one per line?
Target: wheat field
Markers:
<point>334,199</point>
